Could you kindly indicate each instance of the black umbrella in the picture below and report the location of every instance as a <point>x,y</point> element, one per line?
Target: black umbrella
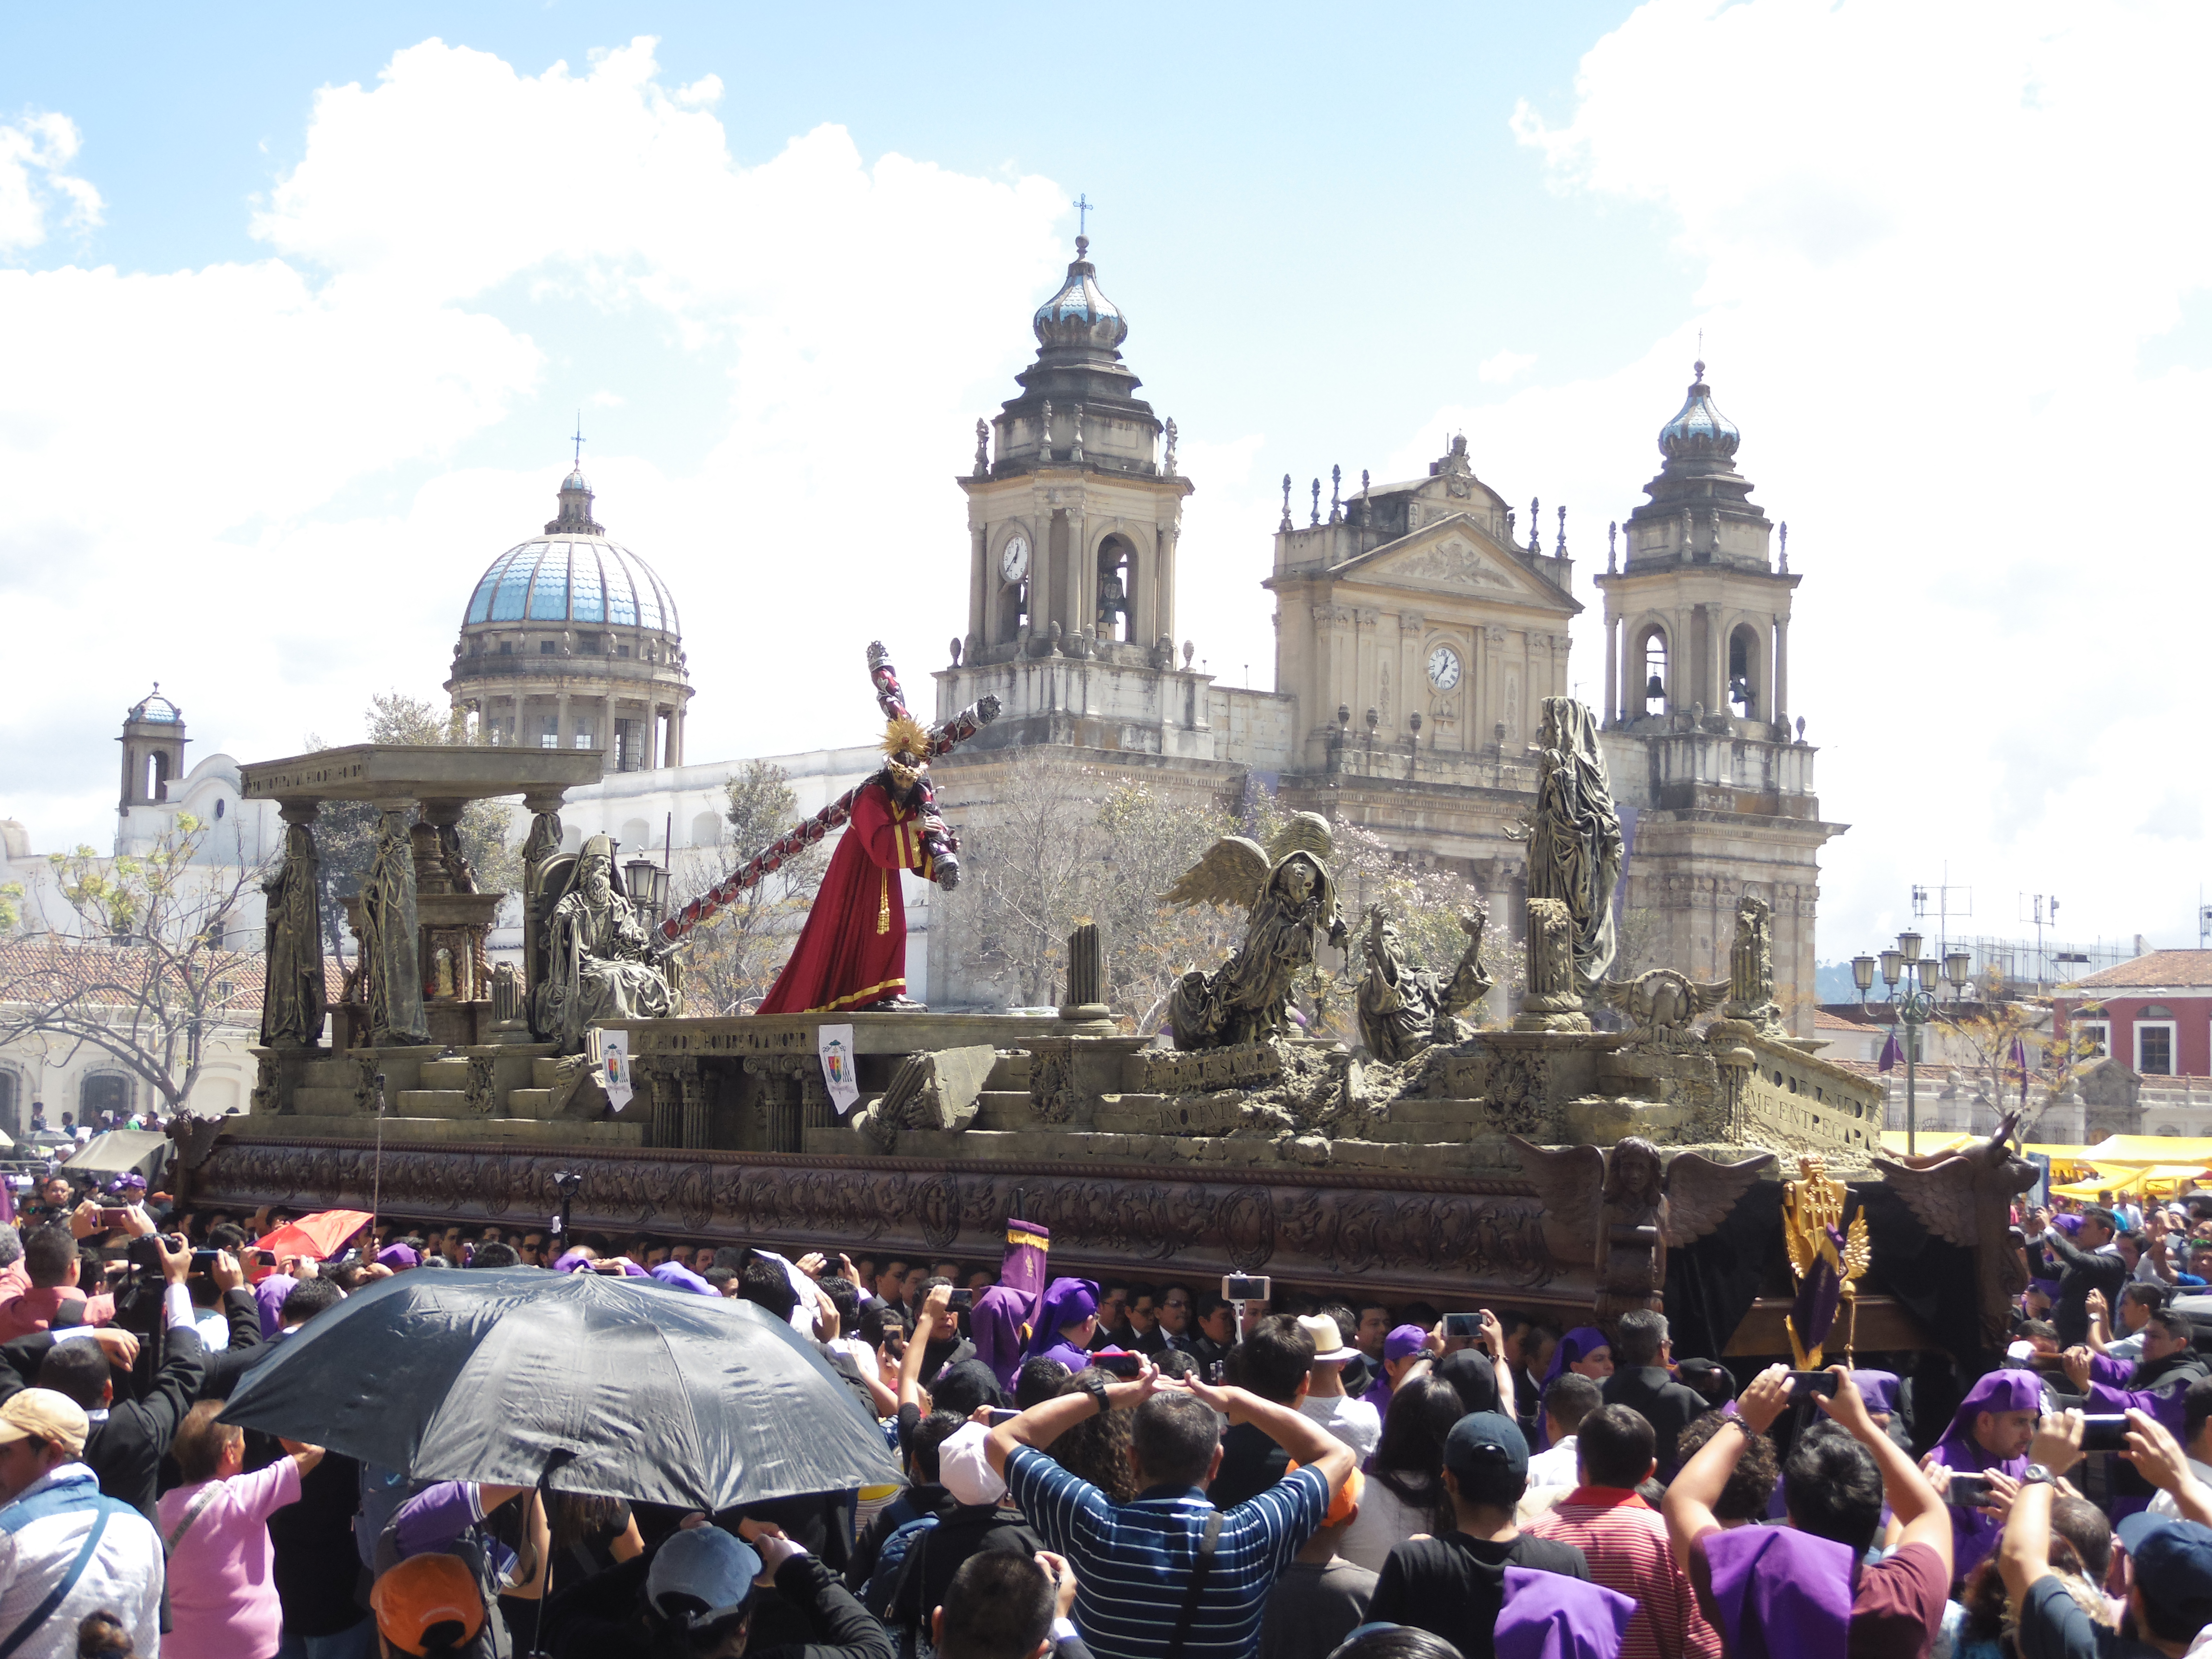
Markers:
<point>660,1395</point>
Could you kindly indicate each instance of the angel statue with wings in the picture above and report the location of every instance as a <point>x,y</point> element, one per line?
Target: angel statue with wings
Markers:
<point>1290,898</point>
<point>1617,1212</point>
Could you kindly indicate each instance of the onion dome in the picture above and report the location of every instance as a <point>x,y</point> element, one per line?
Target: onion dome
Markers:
<point>156,707</point>
<point>1079,315</point>
<point>1699,431</point>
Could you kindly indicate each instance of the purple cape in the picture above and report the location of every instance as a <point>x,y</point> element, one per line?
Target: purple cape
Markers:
<point>1066,1302</point>
<point>1004,1315</point>
<point>268,1297</point>
<point>1547,1615</point>
<point>679,1277</point>
<point>1974,1534</point>
<point>1780,1593</point>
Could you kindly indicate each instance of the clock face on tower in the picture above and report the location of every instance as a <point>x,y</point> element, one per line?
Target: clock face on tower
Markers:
<point>1014,558</point>
<point>1444,668</point>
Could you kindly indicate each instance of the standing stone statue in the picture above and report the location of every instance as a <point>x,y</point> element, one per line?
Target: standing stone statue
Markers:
<point>292,993</point>
<point>1168,466</point>
<point>391,946</point>
<point>1751,964</point>
<point>597,967</point>
<point>1575,845</point>
<point>982,449</point>
<point>1404,1009</point>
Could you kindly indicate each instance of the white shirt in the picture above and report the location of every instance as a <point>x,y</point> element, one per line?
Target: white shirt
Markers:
<point>1555,1467</point>
<point>2163,1504</point>
<point>124,1576</point>
<point>214,1327</point>
<point>1354,1422</point>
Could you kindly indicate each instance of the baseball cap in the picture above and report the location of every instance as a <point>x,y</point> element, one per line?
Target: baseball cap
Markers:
<point>2173,1564</point>
<point>421,1594</point>
<point>964,1470</point>
<point>42,1414</point>
<point>706,1565</point>
<point>1327,1341</point>
<point>1482,1441</point>
<point>1405,1340</point>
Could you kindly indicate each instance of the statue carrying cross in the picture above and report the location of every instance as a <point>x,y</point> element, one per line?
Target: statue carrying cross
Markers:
<point>851,954</point>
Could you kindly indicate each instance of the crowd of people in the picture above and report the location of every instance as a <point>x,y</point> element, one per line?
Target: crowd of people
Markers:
<point>1132,1469</point>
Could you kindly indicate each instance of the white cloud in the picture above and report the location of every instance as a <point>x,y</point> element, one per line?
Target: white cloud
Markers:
<point>1503,366</point>
<point>215,473</point>
<point>33,152</point>
<point>1932,240</point>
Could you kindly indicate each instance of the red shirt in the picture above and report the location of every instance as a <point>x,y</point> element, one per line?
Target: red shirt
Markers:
<point>1625,1540</point>
<point>1899,1605</point>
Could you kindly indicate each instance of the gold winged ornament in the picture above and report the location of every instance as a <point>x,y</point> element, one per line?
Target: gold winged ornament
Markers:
<point>1289,895</point>
<point>1826,1259</point>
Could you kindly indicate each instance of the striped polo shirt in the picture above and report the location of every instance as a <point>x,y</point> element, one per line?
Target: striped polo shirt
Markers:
<point>1132,1561</point>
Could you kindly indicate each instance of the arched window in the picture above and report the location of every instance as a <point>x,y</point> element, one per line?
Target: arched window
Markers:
<point>1117,568</point>
<point>1743,664</point>
<point>707,831</point>
<point>1653,651</point>
<point>103,1091</point>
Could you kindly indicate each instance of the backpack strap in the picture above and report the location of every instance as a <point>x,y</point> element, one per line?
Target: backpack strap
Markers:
<point>200,1504</point>
<point>1200,1571</point>
<point>38,1616</point>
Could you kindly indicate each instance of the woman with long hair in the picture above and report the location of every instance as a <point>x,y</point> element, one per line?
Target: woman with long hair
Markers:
<point>1405,1493</point>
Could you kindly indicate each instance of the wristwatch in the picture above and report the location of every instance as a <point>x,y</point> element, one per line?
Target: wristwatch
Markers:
<point>1096,1389</point>
<point>2038,1474</point>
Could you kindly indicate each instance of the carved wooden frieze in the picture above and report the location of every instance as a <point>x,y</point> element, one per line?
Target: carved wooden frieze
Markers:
<point>1461,1236</point>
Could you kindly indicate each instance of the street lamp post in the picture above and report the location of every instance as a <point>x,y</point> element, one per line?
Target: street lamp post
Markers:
<point>1914,1005</point>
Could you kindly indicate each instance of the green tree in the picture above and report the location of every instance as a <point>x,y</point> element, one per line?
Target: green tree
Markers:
<point>345,830</point>
<point>149,982</point>
<point>734,958</point>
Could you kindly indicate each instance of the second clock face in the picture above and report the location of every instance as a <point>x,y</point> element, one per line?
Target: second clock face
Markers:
<point>1444,668</point>
<point>1014,558</point>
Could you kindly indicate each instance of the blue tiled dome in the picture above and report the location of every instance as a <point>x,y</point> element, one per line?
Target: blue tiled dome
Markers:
<point>573,578</point>
<point>1699,429</point>
<point>156,707</point>
<point>1079,314</point>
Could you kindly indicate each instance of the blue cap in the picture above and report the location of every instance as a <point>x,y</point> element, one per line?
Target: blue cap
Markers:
<point>2172,1566</point>
<point>1482,1441</point>
<point>703,1572</point>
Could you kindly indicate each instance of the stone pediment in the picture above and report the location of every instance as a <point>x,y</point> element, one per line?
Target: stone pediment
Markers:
<point>1453,556</point>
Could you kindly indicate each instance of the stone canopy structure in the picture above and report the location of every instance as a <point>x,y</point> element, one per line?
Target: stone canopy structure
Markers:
<point>1420,630</point>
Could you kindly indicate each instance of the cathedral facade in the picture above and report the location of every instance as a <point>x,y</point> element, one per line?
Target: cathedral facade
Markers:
<point>1417,635</point>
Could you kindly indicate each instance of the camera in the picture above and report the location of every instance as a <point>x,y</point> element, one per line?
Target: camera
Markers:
<point>963,1301</point>
<point>1463,1324</point>
<point>1968,1492</point>
<point>1245,1287</point>
<point>1805,1383</point>
<point>2104,1432</point>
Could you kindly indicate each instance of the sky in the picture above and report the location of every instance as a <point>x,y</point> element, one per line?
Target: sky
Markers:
<point>298,311</point>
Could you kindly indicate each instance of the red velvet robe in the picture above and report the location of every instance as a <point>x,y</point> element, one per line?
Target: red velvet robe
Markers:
<point>853,948</point>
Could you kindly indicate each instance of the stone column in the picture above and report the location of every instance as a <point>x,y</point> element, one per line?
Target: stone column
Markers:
<point>561,739</point>
<point>695,1104</point>
<point>1612,710</point>
<point>543,842</point>
<point>1164,583</point>
<point>1717,663</point>
<point>676,734</point>
<point>1781,667</point>
<point>395,995</point>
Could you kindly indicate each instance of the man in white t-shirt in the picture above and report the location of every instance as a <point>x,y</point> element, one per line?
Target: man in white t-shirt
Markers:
<point>1571,1398</point>
<point>1354,1422</point>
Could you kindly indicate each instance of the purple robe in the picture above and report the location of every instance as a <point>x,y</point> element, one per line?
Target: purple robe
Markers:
<point>1974,1534</point>
<point>1066,1302</point>
<point>1779,1593</point>
<point>268,1297</point>
<point>676,1276</point>
<point>1548,1615</point>
<point>1004,1315</point>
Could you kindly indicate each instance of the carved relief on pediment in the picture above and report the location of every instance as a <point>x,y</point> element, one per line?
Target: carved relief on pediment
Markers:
<point>1450,562</point>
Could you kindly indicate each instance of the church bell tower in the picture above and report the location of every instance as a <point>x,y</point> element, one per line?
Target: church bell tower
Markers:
<point>1073,507</point>
<point>153,751</point>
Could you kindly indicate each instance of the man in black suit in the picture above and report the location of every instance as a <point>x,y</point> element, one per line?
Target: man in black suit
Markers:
<point>1642,1381</point>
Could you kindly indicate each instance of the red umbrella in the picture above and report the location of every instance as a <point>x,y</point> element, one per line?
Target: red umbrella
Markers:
<point>319,1235</point>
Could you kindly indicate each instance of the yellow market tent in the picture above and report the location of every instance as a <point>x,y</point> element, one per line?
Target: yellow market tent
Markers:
<point>2146,1149</point>
<point>2155,1180</point>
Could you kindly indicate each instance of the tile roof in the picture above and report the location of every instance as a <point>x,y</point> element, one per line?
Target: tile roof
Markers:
<point>2166,968</point>
<point>53,967</point>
